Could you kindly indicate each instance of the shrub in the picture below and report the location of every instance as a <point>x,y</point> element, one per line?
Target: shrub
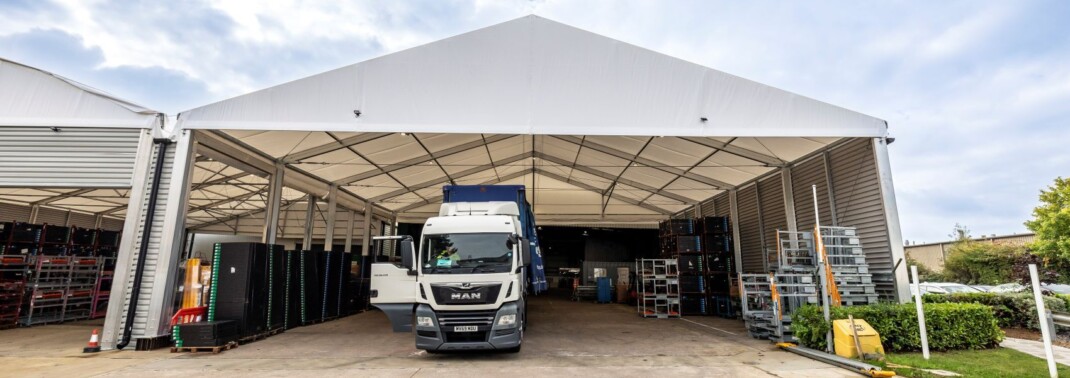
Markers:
<point>950,326</point>
<point>1010,309</point>
<point>986,263</point>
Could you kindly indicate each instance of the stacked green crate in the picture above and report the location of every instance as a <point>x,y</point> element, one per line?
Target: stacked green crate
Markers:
<point>176,336</point>
<point>304,313</point>
<point>215,281</point>
<point>286,316</point>
<point>271,284</point>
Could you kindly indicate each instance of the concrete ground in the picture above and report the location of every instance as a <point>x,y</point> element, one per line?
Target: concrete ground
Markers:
<point>1036,348</point>
<point>564,339</point>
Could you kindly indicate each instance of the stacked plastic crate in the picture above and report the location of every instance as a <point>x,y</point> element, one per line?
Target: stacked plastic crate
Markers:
<point>717,250</point>
<point>680,241</point>
<point>659,288</point>
<point>848,265</point>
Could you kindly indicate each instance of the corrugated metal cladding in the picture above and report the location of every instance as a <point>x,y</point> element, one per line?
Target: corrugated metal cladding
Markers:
<point>112,224</point>
<point>71,157</point>
<point>51,216</point>
<point>723,204</point>
<point>10,212</point>
<point>82,220</point>
<point>148,281</point>
<point>803,177</point>
<point>750,230</point>
<point>708,209</point>
<point>856,187</point>
<point>774,216</point>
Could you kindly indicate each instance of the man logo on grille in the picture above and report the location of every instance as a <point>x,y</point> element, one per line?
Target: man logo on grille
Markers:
<point>466,296</point>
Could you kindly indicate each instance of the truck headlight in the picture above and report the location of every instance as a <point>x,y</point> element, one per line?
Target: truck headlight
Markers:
<point>507,320</point>
<point>424,321</point>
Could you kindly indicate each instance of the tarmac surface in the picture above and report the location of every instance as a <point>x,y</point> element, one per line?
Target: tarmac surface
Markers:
<point>564,338</point>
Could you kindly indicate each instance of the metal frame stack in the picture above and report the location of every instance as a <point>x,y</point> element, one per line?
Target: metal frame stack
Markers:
<point>769,300</point>
<point>12,288</point>
<point>47,291</point>
<point>847,261</point>
<point>102,289</point>
<point>759,312</point>
<point>81,288</point>
<point>659,288</point>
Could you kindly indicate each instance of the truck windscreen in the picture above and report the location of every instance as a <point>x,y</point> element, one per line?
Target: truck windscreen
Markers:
<point>467,253</point>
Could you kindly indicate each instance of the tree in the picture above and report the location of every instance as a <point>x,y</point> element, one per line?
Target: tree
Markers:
<point>960,233</point>
<point>924,273</point>
<point>1051,223</point>
<point>984,263</point>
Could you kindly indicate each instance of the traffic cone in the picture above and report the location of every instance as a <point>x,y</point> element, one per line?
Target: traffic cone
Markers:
<point>94,342</point>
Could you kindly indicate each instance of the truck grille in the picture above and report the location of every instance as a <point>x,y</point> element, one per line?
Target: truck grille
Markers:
<point>463,318</point>
<point>477,294</point>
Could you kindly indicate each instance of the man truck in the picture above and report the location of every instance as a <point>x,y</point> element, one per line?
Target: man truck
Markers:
<point>466,282</point>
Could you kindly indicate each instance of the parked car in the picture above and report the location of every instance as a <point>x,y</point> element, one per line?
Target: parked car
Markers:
<point>927,288</point>
<point>1056,288</point>
<point>983,288</point>
<point>952,287</point>
<point>1009,288</point>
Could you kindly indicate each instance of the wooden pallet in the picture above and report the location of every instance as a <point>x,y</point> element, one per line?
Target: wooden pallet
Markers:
<point>214,350</point>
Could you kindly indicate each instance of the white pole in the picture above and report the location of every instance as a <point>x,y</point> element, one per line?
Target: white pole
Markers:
<point>823,276</point>
<point>921,312</point>
<point>1044,327</point>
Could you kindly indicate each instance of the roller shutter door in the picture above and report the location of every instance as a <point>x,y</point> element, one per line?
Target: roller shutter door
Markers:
<point>771,191</point>
<point>803,176</point>
<point>72,157</point>
<point>750,230</point>
<point>856,185</point>
<point>723,204</point>
<point>10,212</point>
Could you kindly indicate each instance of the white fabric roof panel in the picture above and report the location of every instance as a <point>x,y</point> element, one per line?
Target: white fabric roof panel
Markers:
<point>33,97</point>
<point>533,76</point>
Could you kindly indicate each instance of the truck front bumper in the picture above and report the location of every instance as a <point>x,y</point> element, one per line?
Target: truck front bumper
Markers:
<point>487,336</point>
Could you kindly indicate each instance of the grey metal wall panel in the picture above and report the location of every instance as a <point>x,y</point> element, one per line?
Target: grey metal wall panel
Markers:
<point>71,157</point>
<point>111,224</point>
<point>723,205</point>
<point>148,280</point>
<point>750,231</point>
<point>856,185</point>
<point>10,212</point>
<point>83,220</point>
<point>774,217</point>
<point>709,208</point>
<point>803,177</point>
<point>47,215</point>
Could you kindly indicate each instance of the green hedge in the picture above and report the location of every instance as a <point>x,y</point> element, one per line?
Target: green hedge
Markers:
<point>1011,309</point>
<point>1066,299</point>
<point>950,326</point>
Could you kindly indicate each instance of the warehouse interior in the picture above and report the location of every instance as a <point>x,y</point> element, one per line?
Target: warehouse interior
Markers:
<point>336,158</point>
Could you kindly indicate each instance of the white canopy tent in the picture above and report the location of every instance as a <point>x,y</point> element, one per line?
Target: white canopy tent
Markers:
<point>603,131</point>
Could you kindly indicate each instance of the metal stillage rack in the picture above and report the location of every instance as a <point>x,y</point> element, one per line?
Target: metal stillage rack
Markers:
<point>658,288</point>
<point>848,265</point>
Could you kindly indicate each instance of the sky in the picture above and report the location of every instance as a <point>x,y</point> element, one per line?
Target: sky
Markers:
<point>976,93</point>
